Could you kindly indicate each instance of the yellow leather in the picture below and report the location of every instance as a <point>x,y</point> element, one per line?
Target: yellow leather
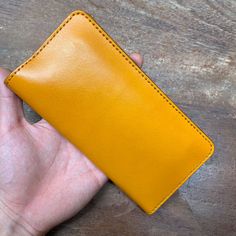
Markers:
<point>82,83</point>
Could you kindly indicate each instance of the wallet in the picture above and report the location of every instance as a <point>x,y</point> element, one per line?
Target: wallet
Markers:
<point>91,91</point>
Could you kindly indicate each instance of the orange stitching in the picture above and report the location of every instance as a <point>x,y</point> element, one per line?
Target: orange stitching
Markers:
<point>148,80</point>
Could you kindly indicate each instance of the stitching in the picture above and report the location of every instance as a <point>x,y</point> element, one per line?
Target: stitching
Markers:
<point>182,182</point>
<point>144,76</point>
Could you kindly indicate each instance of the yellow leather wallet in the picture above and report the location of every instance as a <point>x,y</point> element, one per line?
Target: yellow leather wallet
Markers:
<point>86,86</point>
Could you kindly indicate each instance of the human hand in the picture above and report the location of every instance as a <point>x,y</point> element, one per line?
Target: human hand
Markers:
<point>44,179</point>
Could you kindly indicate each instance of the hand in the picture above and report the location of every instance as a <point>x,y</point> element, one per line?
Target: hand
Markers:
<point>44,179</point>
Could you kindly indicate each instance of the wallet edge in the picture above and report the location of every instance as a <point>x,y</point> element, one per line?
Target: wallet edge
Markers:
<point>183,181</point>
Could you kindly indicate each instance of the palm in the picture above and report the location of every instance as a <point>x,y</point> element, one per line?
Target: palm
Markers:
<point>43,178</point>
<point>41,171</point>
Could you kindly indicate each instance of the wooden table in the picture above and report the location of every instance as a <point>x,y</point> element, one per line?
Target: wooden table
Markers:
<point>190,52</point>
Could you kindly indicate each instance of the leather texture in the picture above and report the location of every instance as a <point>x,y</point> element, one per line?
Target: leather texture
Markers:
<point>84,84</point>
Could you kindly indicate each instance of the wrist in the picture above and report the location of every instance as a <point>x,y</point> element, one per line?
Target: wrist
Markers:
<point>12,224</point>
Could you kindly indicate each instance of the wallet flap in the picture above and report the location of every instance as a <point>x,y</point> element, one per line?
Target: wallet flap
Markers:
<point>87,87</point>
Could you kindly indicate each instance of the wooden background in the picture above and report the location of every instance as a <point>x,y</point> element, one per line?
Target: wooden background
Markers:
<point>190,52</point>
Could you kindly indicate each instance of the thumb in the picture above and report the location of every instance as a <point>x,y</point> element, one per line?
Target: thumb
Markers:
<point>11,110</point>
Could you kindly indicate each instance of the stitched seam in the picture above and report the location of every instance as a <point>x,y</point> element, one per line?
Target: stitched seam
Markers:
<point>151,83</point>
<point>179,185</point>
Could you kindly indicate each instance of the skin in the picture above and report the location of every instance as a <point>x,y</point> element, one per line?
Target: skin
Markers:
<point>44,179</point>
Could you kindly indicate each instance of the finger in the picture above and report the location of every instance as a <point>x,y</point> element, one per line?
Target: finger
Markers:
<point>137,58</point>
<point>11,111</point>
